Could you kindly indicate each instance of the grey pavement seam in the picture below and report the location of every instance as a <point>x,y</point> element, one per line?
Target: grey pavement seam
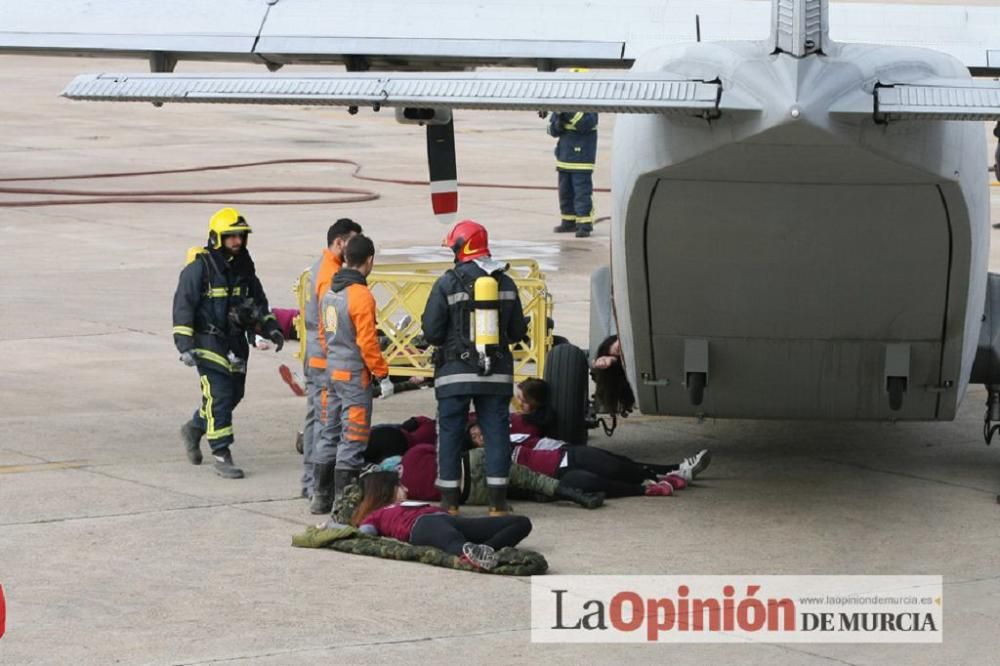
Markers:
<point>905,475</point>
<point>239,506</point>
<point>346,646</point>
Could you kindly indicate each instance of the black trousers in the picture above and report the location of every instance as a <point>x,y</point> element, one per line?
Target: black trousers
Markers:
<point>596,470</point>
<point>612,465</point>
<point>450,533</point>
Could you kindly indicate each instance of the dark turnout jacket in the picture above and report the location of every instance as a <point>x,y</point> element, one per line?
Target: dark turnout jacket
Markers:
<point>208,288</point>
<point>577,146</point>
<point>446,325</point>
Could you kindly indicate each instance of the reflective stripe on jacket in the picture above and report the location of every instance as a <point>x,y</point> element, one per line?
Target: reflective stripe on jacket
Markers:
<point>446,323</point>
<point>577,146</point>
<point>206,289</point>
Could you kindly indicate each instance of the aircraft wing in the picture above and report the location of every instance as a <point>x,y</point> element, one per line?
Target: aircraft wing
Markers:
<point>452,34</point>
<point>625,92</point>
<point>927,99</point>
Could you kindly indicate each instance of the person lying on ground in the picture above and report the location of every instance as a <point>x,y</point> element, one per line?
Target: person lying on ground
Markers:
<point>418,469</point>
<point>393,439</point>
<point>596,470</point>
<point>386,511</point>
<point>532,415</point>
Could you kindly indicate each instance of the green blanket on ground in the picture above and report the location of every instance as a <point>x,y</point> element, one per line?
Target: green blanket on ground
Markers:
<point>346,539</point>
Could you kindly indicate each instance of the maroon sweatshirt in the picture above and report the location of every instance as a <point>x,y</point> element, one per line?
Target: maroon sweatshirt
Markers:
<point>396,520</point>
<point>543,462</point>
<point>419,472</point>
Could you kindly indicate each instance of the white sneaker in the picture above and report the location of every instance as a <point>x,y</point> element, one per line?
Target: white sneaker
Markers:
<point>683,472</point>
<point>697,463</point>
<point>480,555</point>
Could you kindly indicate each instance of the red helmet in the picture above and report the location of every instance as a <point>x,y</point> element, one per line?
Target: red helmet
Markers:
<point>468,240</point>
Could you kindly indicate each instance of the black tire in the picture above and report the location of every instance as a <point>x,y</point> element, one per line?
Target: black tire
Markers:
<point>299,443</point>
<point>566,372</point>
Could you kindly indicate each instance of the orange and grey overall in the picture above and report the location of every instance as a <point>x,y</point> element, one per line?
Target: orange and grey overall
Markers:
<point>314,429</point>
<point>353,360</point>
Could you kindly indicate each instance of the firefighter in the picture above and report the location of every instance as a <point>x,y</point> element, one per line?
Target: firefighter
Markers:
<point>576,153</point>
<point>472,316</point>
<point>219,306</point>
<point>320,276</point>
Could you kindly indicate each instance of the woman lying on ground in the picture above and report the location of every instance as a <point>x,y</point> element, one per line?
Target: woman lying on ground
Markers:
<point>385,511</point>
<point>586,467</point>
<point>595,470</point>
<point>418,468</point>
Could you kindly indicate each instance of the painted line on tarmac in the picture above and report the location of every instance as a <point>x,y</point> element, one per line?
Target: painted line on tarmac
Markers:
<point>39,467</point>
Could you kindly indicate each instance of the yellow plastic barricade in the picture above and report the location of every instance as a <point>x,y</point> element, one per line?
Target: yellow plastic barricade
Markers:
<point>300,288</point>
<point>401,291</point>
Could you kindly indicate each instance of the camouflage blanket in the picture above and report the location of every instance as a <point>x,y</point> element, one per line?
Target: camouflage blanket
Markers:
<point>346,539</point>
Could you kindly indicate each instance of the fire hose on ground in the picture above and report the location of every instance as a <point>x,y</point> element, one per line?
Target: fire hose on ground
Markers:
<point>74,197</point>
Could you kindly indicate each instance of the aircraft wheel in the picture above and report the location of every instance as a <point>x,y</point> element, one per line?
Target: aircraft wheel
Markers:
<point>566,371</point>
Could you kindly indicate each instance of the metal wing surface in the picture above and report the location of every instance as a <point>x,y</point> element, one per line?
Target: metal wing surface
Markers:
<point>450,34</point>
<point>603,92</point>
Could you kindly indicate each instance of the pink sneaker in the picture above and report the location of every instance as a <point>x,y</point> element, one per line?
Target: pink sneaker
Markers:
<point>661,489</point>
<point>676,481</point>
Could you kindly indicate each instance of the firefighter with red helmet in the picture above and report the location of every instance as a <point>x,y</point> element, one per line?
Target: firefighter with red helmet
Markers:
<point>472,317</point>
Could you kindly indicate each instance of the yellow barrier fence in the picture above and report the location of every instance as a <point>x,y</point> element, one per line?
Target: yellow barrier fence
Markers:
<point>401,291</point>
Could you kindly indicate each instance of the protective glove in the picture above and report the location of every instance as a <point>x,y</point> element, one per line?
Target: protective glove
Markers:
<point>278,339</point>
<point>189,359</point>
<point>387,388</point>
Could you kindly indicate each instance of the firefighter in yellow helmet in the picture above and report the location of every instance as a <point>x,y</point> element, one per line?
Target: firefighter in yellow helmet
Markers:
<point>219,307</point>
<point>576,153</point>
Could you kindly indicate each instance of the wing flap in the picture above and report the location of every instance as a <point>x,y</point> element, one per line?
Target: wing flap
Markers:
<point>606,93</point>
<point>938,99</point>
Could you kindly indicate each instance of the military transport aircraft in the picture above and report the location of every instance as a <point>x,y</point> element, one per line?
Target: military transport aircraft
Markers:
<point>800,224</point>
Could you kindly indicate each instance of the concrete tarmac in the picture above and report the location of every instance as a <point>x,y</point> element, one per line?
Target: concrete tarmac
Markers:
<point>113,549</point>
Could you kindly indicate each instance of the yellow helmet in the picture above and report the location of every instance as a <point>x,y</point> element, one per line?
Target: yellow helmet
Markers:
<point>579,70</point>
<point>226,221</point>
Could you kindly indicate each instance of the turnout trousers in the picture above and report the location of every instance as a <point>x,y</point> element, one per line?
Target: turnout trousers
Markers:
<point>576,191</point>
<point>221,391</point>
<point>493,417</point>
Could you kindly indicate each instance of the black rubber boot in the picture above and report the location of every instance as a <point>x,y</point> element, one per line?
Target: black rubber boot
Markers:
<point>565,227</point>
<point>192,434</point>
<point>584,499</point>
<point>450,499</point>
<point>584,230</point>
<point>322,500</point>
<point>498,501</point>
<point>224,466</point>
<point>341,479</point>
